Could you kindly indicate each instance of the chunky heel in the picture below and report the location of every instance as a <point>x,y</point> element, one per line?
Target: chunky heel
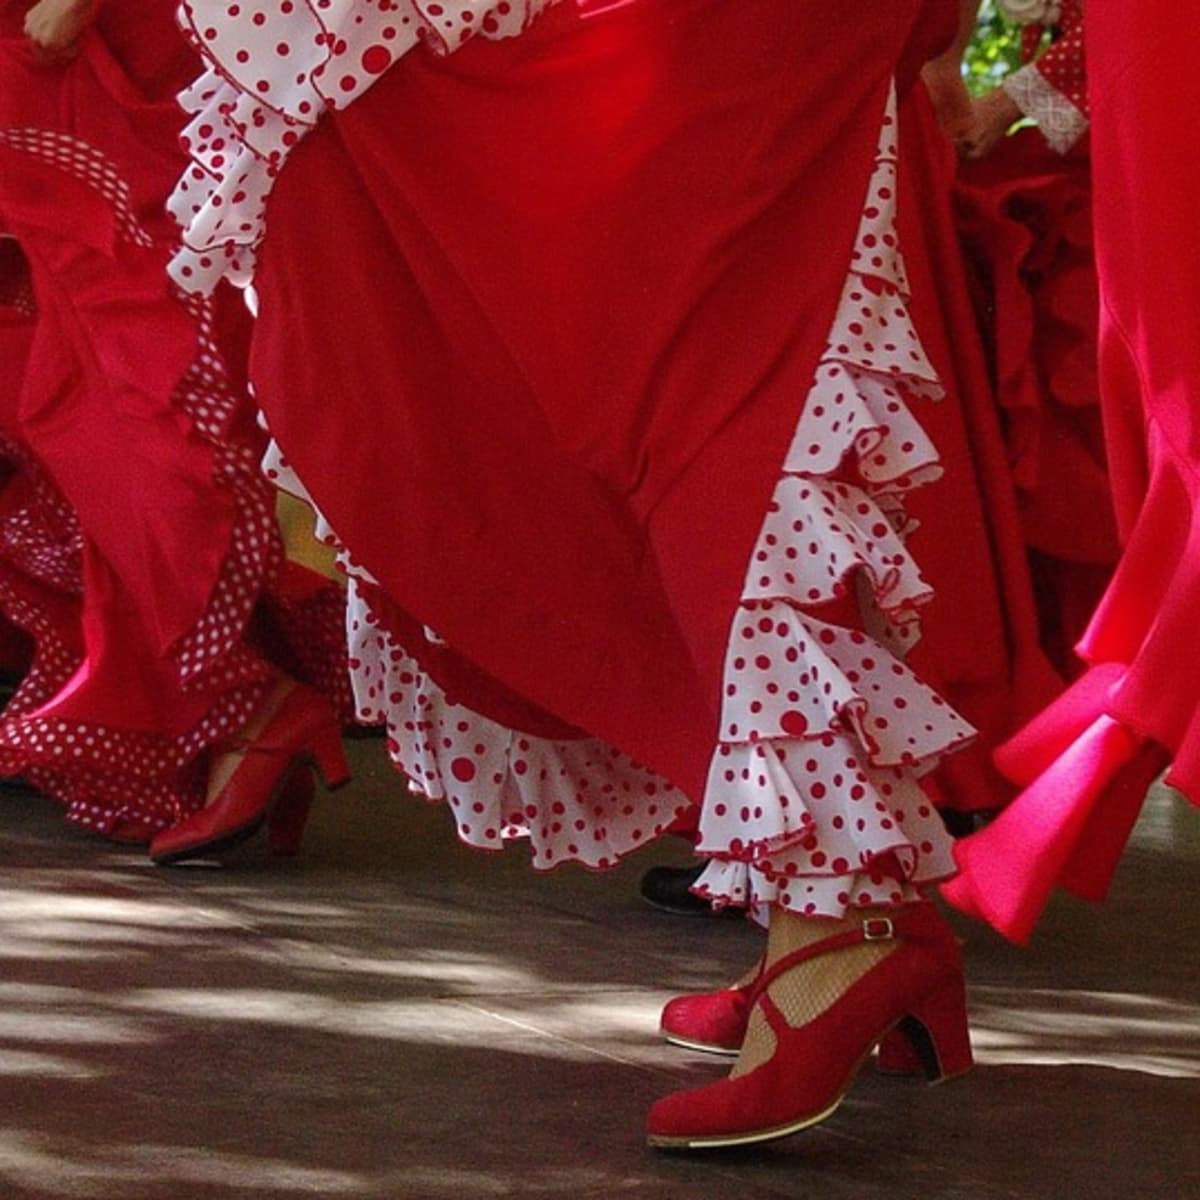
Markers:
<point>916,988</point>
<point>329,756</point>
<point>285,824</point>
<point>938,1032</point>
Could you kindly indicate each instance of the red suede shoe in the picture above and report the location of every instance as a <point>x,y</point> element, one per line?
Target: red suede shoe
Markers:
<point>917,989</point>
<point>715,1023</point>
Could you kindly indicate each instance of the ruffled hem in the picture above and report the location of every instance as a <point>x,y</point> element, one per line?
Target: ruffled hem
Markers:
<point>813,796</point>
<point>575,800</point>
<point>813,799</point>
<point>273,72</point>
<point>1087,762</point>
<point>114,781</point>
<point>112,777</point>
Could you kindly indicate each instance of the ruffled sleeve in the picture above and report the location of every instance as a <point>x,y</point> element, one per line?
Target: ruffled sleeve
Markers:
<point>273,68</point>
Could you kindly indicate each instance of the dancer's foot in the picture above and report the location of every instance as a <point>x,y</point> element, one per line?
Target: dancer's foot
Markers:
<point>715,1023</point>
<point>265,777</point>
<point>830,992</point>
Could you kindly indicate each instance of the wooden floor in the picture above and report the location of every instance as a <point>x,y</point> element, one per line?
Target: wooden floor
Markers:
<point>393,1016</point>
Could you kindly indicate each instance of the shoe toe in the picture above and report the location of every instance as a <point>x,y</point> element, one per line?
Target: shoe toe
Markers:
<point>716,1019</point>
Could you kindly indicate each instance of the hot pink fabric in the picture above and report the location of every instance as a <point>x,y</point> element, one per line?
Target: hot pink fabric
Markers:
<point>1090,759</point>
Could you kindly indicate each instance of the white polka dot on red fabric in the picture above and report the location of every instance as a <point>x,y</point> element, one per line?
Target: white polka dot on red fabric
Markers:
<point>85,163</point>
<point>119,777</point>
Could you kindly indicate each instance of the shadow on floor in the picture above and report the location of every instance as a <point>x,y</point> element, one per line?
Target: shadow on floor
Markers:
<point>393,1016</point>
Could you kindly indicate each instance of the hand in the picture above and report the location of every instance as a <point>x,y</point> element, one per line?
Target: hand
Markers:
<point>950,98</point>
<point>55,27</point>
<point>991,118</point>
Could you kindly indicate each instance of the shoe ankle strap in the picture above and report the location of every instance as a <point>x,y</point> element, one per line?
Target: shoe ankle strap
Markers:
<point>912,923</point>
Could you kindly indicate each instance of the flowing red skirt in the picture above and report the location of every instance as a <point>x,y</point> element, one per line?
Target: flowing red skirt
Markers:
<point>575,513</point>
<point>130,425</point>
<point>1026,220</point>
<point>981,644</point>
<point>1088,761</point>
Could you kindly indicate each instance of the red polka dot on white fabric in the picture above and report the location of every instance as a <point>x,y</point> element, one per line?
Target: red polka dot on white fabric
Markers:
<point>274,69</point>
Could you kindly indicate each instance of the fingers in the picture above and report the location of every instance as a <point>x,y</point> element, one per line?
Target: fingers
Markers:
<point>54,32</point>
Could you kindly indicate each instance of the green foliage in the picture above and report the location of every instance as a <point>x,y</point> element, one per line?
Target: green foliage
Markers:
<point>994,52</point>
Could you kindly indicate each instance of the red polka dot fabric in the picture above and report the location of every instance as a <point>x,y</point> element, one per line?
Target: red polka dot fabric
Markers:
<point>274,67</point>
<point>112,781</point>
<point>813,800</point>
<point>116,781</point>
<point>1052,90</point>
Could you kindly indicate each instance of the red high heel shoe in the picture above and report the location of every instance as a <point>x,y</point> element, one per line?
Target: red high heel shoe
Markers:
<point>918,989</point>
<point>715,1023</point>
<point>272,784</point>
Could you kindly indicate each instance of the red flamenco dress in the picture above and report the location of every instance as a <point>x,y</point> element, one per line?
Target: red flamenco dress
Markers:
<point>607,383</point>
<point>982,644</point>
<point>137,539</point>
<point>1088,760</point>
<point>1025,214</point>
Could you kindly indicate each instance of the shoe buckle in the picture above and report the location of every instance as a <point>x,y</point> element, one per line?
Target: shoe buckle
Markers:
<point>878,929</point>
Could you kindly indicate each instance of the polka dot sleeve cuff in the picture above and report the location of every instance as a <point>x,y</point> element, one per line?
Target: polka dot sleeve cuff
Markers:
<point>274,66</point>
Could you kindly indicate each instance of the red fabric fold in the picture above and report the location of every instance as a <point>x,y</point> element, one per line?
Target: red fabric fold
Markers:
<point>564,439</point>
<point>1090,760</point>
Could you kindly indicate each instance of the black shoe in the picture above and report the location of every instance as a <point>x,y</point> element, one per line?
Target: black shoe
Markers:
<point>666,888</point>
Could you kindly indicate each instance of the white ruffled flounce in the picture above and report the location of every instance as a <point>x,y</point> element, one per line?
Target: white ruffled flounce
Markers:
<point>576,800</point>
<point>813,799</point>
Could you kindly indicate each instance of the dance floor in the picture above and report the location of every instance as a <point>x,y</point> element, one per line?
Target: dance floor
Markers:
<point>390,1016</point>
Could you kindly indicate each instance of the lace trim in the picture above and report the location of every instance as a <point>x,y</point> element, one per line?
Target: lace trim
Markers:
<point>1059,120</point>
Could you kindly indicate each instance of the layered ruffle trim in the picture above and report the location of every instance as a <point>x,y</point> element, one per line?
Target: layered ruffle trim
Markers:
<point>113,782</point>
<point>813,799</point>
<point>273,70</point>
<point>1086,763</point>
<point>574,800</point>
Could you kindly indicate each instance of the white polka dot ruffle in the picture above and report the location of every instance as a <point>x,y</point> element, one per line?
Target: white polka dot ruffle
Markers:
<point>813,801</point>
<point>274,66</point>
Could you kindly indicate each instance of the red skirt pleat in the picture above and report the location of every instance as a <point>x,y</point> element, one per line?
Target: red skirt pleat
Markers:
<point>1089,761</point>
<point>980,641</point>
